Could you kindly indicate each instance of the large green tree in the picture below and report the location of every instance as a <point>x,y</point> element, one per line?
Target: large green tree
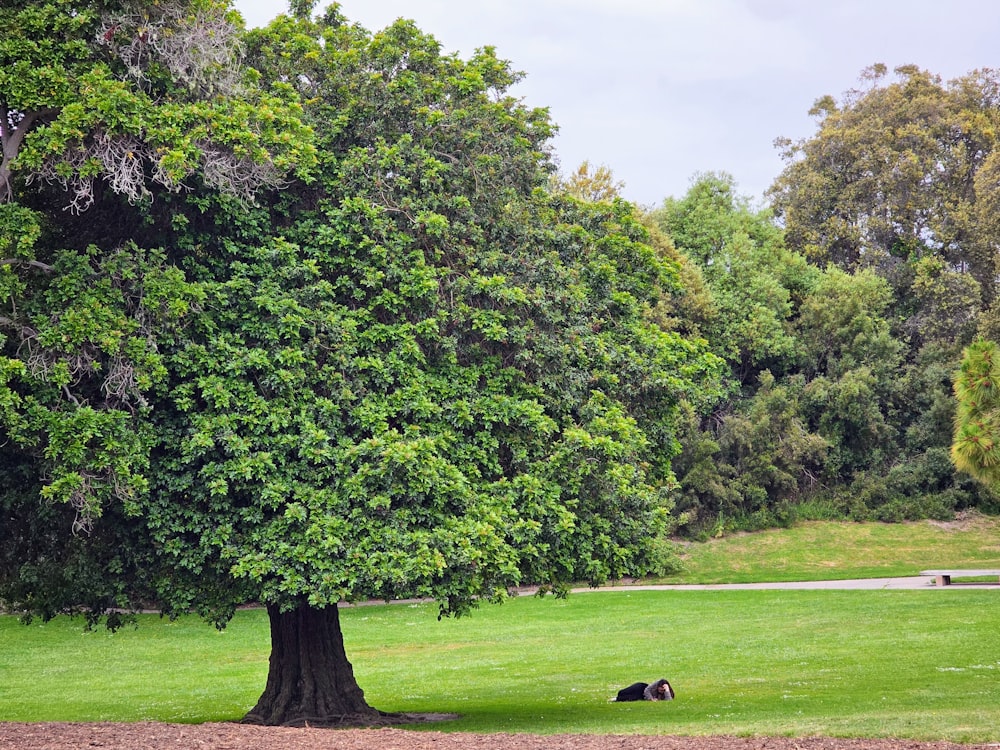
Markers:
<point>899,170</point>
<point>422,373</point>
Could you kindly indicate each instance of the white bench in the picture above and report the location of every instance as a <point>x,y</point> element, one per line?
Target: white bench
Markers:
<point>943,577</point>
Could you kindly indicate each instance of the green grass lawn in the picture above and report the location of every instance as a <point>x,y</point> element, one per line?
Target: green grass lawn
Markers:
<point>913,664</point>
<point>828,550</point>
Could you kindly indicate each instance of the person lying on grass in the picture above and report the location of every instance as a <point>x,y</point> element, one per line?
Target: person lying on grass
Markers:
<point>641,691</point>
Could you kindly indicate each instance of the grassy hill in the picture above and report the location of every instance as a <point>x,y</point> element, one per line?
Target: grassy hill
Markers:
<point>830,550</point>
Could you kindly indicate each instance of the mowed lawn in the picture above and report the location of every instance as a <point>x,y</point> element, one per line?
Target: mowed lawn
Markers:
<point>914,664</point>
<point>829,550</point>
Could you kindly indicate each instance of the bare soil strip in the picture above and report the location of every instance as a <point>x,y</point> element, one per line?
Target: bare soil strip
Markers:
<point>154,736</point>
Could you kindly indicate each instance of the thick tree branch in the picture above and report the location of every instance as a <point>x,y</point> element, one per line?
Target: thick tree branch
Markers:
<point>25,262</point>
<point>11,138</point>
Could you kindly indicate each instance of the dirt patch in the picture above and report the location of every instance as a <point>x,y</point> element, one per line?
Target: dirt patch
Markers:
<point>963,521</point>
<point>152,736</point>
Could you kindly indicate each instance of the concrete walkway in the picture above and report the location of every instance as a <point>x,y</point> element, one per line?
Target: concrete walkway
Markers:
<point>905,582</point>
<point>909,582</point>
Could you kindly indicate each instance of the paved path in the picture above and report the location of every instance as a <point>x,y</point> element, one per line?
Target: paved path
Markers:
<point>909,582</point>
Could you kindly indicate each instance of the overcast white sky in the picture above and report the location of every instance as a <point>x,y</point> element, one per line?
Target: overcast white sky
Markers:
<point>659,90</point>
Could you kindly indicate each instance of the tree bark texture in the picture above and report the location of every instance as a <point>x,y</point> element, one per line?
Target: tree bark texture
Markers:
<point>309,680</point>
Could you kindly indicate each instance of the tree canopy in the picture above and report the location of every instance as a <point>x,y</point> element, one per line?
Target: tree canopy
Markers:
<point>131,95</point>
<point>896,172</point>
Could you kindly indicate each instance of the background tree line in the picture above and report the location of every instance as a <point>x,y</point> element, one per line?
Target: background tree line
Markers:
<point>843,309</point>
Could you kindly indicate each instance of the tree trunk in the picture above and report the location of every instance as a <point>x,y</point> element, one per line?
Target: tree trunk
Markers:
<point>309,680</point>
